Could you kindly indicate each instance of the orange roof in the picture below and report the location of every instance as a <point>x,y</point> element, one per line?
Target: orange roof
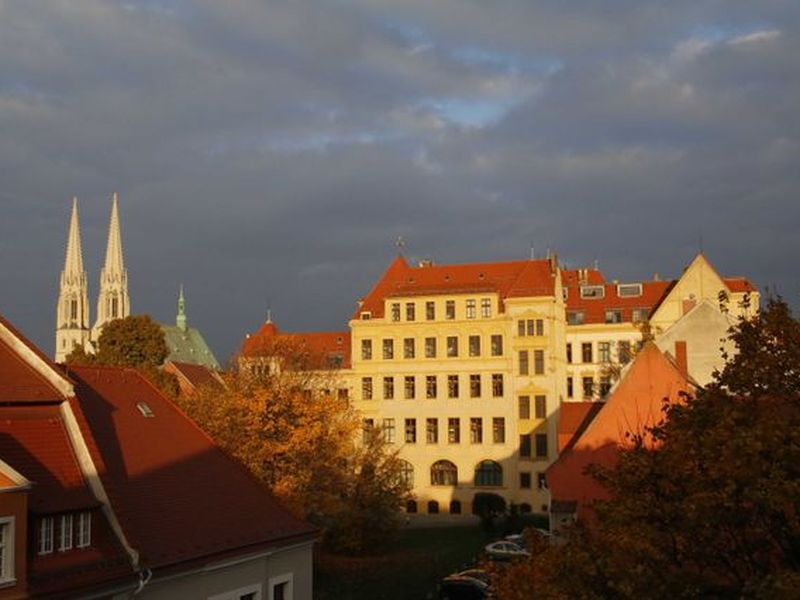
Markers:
<point>327,348</point>
<point>739,284</point>
<point>508,279</point>
<point>594,309</point>
<point>573,418</point>
<point>192,374</point>
<point>635,405</point>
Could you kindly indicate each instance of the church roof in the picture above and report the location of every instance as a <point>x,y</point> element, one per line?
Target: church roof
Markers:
<point>188,346</point>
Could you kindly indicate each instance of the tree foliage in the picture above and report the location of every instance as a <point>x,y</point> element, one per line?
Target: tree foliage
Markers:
<point>713,508</point>
<point>305,444</point>
<point>135,341</point>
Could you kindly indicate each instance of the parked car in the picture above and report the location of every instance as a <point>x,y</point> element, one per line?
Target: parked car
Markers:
<point>459,587</point>
<point>505,550</point>
<point>478,574</point>
<point>518,539</point>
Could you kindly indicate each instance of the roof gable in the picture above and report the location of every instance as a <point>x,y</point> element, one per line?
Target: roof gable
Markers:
<point>699,281</point>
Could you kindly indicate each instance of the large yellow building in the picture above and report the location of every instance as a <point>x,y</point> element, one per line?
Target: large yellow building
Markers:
<point>465,367</point>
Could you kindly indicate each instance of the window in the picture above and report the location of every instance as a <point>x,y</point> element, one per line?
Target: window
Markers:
<point>450,310</point>
<point>474,386</point>
<point>575,317</point>
<point>65,533</point>
<point>433,507</point>
<point>488,473</point>
<point>411,507</point>
<point>343,393</point>
<point>499,430</point>
<point>586,352</point>
<point>430,310</point>
<point>523,362</point>
<point>408,348</point>
<point>614,315</point>
<point>430,347</point>
<point>497,345</point>
<point>539,327</point>
<point>538,362</point>
<point>409,387</point>
<point>411,431</point>
<point>388,388</point>
<point>443,472</point>
<point>84,537</point>
<point>525,481</point>
<point>569,353</point>
<point>455,507</point>
<point>366,388</point>
<point>471,309</point>
<point>476,430</point>
<point>605,386</point>
<point>452,386</point>
<point>529,329</point>
<point>432,431</point>
<point>639,315</point>
<point>541,445</point>
<point>280,588</point>
<point>624,351</point>
<point>388,431</point>
<point>541,481</point>
<point>524,407</point>
<point>521,328</point>
<point>430,386</point>
<point>497,385</point>
<point>525,445</point>
<point>540,407</point>
<point>395,311</point>
<point>570,387</point>
<point>366,315</point>
<point>629,290</point>
<point>604,352</point>
<point>411,311</point>
<point>474,345</point>
<point>453,430</point>
<point>45,538</point>
<point>388,349</point>
<point>366,349</point>
<point>593,291</point>
<point>486,307</point>
<point>452,346</point>
<point>588,387</point>
<point>7,543</point>
<point>407,473</point>
<point>367,425</point>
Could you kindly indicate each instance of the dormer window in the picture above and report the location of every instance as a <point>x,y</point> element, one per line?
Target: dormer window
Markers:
<point>565,292</point>
<point>44,539</point>
<point>84,534</point>
<point>575,317</point>
<point>366,315</point>
<point>395,311</point>
<point>593,291</point>
<point>629,290</point>
<point>614,315</point>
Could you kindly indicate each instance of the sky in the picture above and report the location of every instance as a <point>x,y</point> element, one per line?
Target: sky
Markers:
<point>268,154</point>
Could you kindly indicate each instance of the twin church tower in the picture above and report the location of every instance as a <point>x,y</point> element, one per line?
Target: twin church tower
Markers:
<point>72,320</point>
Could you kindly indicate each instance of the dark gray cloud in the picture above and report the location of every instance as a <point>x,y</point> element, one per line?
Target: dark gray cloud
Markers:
<point>269,153</point>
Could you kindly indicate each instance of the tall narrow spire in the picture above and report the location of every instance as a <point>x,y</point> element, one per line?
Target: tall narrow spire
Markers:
<point>180,321</point>
<point>113,302</point>
<point>72,313</point>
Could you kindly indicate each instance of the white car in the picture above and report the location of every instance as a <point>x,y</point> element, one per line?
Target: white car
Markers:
<point>505,550</point>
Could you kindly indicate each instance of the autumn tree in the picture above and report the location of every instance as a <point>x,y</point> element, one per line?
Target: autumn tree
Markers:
<point>135,341</point>
<point>712,509</point>
<point>304,442</point>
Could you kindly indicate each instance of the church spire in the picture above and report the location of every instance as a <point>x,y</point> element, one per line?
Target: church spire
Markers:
<point>113,302</point>
<point>180,321</point>
<point>72,314</point>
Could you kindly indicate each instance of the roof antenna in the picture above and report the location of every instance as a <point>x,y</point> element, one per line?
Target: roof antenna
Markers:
<point>533,252</point>
<point>401,244</point>
<point>596,265</point>
<point>269,315</point>
<point>700,241</point>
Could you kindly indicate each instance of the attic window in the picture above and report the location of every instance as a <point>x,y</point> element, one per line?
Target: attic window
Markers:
<point>366,315</point>
<point>447,277</point>
<point>481,275</point>
<point>593,291</point>
<point>410,280</point>
<point>339,340</point>
<point>145,409</point>
<point>629,290</point>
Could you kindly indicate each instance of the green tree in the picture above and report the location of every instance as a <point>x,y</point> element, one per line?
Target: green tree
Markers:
<point>712,509</point>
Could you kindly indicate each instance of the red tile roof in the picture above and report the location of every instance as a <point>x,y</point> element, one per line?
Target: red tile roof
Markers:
<point>21,382</point>
<point>508,279</point>
<point>177,495</point>
<point>594,309</point>
<point>325,348</point>
<point>739,284</point>
<point>194,375</point>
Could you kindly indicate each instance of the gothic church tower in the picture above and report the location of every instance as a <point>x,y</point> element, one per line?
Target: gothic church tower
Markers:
<point>112,302</point>
<point>72,318</point>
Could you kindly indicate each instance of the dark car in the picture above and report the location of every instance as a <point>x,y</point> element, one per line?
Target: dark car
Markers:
<point>458,587</point>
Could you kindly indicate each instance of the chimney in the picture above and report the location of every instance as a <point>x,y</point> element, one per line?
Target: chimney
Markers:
<point>553,257</point>
<point>681,360</point>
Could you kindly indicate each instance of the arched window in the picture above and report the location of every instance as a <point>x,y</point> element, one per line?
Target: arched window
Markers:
<point>407,473</point>
<point>444,472</point>
<point>411,507</point>
<point>433,507</point>
<point>455,507</point>
<point>488,473</point>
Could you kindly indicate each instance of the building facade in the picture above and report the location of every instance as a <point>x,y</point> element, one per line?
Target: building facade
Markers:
<point>465,368</point>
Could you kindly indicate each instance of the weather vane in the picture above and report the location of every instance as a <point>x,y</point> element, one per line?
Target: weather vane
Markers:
<point>400,243</point>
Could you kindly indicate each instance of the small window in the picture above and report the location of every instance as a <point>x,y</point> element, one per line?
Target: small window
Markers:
<point>604,352</point>
<point>486,308</point>
<point>474,345</point>
<point>523,362</point>
<point>411,507</point>
<point>452,386</point>
<point>366,315</point>
<point>639,315</point>
<point>605,386</point>
<point>452,346</point>
<point>476,430</point>
<point>541,481</point>
<point>408,348</point>
<point>488,473</point>
<point>45,537</point>
<point>430,347</point>
<point>471,309</point>
<point>411,311</point>
<point>540,327</point>
<point>497,385</point>
<point>432,431</point>
<point>367,426</point>
<point>444,472</point>
<point>614,315</point>
<point>430,387</point>
<point>570,387</point>
<point>538,362</point>
<point>629,290</point>
<point>65,533</point>
<point>411,431</point>
<point>593,291</point>
<point>499,430</point>
<point>588,387</point>
<point>433,507</point>
<point>388,431</point>
<point>388,388</point>
<point>624,352</point>
<point>586,352</point>
<point>388,349</point>
<point>453,430</point>
<point>430,311</point>
<point>395,311</point>
<point>475,386</point>
<point>525,481</point>
<point>497,345</point>
<point>524,407</point>
<point>366,349</point>
<point>366,388</point>
<point>450,310</point>
<point>7,547</point>
<point>525,445</point>
<point>576,317</point>
<point>540,408</point>
<point>409,388</point>
<point>455,507</point>
<point>84,536</point>
<point>541,445</point>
